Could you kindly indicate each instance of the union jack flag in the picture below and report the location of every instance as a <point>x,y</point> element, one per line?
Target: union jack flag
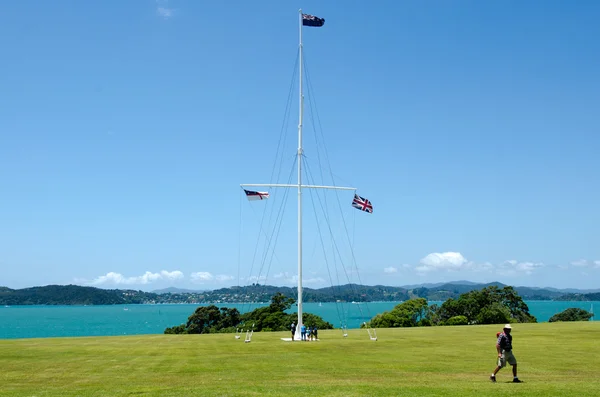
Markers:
<point>311,20</point>
<point>362,204</point>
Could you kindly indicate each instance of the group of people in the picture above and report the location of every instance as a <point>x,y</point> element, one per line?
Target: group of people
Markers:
<point>306,333</point>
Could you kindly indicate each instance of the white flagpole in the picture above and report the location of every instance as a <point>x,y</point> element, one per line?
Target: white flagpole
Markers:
<point>299,186</point>
<point>300,116</point>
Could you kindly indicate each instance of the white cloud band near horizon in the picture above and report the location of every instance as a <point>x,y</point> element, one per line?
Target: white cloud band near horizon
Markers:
<point>146,278</point>
<point>584,263</point>
<point>201,277</point>
<point>455,262</point>
<point>434,263</point>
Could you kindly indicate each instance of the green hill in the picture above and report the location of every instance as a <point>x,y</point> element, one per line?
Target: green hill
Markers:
<point>71,295</point>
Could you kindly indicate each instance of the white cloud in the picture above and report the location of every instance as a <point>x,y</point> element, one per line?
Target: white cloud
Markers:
<point>390,270</point>
<point>442,261</point>
<point>580,263</point>
<point>455,261</point>
<point>163,9</point>
<point>165,12</point>
<point>146,278</point>
<point>201,276</point>
<point>528,267</point>
<point>584,263</point>
<point>256,279</point>
<point>293,279</point>
<point>174,275</point>
<point>513,267</point>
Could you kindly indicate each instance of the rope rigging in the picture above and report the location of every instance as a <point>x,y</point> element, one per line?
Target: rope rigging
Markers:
<point>270,224</point>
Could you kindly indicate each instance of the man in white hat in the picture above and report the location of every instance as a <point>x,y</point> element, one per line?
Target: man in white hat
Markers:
<point>504,348</point>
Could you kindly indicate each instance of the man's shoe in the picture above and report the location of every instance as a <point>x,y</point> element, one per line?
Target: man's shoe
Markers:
<point>517,380</point>
<point>493,378</point>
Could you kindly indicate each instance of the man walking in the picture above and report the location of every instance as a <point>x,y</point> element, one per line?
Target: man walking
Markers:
<point>293,329</point>
<point>504,349</point>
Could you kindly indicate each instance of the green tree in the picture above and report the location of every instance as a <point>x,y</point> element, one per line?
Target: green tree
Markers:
<point>412,313</point>
<point>210,319</point>
<point>178,329</point>
<point>495,313</point>
<point>571,314</point>
<point>280,303</point>
<point>515,304</point>
<point>490,305</point>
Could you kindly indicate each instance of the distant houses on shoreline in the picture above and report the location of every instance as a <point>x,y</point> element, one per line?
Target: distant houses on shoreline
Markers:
<point>78,295</point>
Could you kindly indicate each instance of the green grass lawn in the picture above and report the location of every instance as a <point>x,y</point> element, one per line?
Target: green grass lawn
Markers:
<point>555,359</point>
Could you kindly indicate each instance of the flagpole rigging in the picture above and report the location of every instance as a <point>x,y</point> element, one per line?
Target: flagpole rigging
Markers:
<point>358,202</point>
<point>300,116</point>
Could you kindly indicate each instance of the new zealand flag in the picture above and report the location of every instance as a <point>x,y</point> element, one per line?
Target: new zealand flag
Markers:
<point>311,20</point>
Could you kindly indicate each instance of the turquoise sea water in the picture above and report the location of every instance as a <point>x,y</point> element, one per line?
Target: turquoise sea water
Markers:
<point>57,321</point>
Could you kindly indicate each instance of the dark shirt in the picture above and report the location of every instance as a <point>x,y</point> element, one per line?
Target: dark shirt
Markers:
<point>505,341</point>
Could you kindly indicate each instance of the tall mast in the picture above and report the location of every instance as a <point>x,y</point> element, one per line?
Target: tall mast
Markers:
<point>311,21</point>
<point>300,116</point>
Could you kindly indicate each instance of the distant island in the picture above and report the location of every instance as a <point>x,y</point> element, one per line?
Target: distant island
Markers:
<point>78,295</point>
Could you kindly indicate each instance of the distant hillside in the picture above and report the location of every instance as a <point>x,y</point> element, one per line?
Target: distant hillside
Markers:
<point>435,285</point>
<point>362,293</point>
<point>77,295</point>
<point>538,293</point>
<point>174,290</point>
<point>595,296</point>
<point>70,295</point>
<point>573,290</point>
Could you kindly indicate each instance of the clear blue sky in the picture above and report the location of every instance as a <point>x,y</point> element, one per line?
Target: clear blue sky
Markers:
<point>127,127</point>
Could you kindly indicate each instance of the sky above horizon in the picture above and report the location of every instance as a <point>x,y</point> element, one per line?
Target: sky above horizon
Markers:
<point>126,129</point>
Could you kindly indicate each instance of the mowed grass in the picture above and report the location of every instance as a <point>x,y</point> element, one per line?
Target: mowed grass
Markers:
<point>555,359</point>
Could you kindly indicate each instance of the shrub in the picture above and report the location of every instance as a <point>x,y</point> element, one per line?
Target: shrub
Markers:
<point>571,314</point>
<point>457,320</point>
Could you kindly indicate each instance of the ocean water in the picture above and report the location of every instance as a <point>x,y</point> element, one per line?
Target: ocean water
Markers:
<point>59,321</point>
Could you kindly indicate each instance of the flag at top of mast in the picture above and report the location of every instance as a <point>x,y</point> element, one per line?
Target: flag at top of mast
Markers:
<point>311,20</point>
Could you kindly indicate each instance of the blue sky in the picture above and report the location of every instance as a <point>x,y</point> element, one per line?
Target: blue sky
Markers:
<point>127,127</point>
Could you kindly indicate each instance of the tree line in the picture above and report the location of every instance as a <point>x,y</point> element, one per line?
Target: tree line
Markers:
<point>78,295</point>
<point>211,319</point>
<point>71,295</point>
<point>490,305</point>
